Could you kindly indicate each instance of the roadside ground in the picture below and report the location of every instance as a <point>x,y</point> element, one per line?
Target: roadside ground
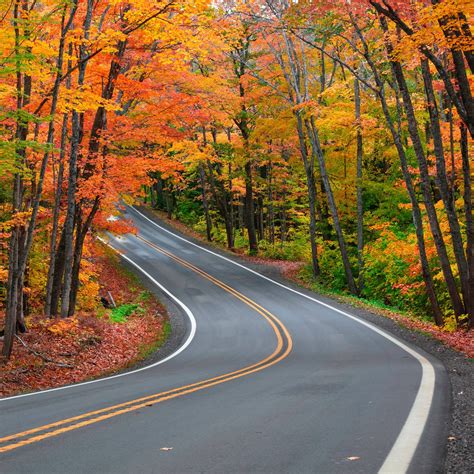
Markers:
<point>92,343</point>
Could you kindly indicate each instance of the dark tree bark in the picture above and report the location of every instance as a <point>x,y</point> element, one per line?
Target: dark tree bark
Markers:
<point>58,276</point>
<point>416,211</point>
<point>425,180</point>
<point>205,204</point>
<point>360,207</point>
<point>250,208</point>
<point>443,185</point>
<point>56,212</point>
<point>318,153</point>
<point>220,199</point>
<point>76,138</point>
<point>468,208</point>
<point>270,211</point>
<point>311,186</point>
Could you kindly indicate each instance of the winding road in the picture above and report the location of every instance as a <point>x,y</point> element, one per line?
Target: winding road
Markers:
<point>263,378</point>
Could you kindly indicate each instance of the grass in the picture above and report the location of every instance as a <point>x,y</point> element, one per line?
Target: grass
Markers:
<point>122,312</point>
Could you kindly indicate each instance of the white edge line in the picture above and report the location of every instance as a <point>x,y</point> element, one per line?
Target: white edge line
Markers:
<point>399,458</point>
<point>188,341</point>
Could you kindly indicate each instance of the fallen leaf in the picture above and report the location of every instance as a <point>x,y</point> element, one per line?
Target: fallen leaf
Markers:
<point>353,458</point>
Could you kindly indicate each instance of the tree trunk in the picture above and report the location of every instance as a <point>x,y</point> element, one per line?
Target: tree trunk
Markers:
<point>153,200</point>
<point>317,151</point>
<point>311,186</point>
<point>56,211</point>
<point>82,228</point>
<point>271,211</point>
<point>360,207</point>
<point>58,275</point>
<point>205,203</point>
<point>23,91</point>
<point>443,185</point>
<point>219,194</point>
<point>468,207</point>
<point>261,219</point>
<point>70,214</point>
<point>13,271</point>
<point>76,138</point>
<point>160,198</point>
<point>425,185</point>
<point>416,212</point>
<point>250,209</point>
<point>169,203</point>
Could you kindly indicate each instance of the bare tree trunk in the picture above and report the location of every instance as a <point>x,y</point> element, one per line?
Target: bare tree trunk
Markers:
<point>241,215</point>
<point>219,194</point>
<point>250,208</point>
<point>416,211</point>
<point>13,271</point>
<point>318,152</point>
<point>425,183</point>
<point>442,182</point>
<point>169,202</point>
<point>205,203</point>
<point>76,125</point>
<point>271,211</point>
<point>231,208</point>
<point>468,207</point>
<point>56,212</point>
<point>260,218</point>
<point>70,214</point>
<point>82,228</point>
<point>58,276</point>
<point>14,288</point>
<point>360,206</point>
<point>160,197</point>
<point>311,185</point>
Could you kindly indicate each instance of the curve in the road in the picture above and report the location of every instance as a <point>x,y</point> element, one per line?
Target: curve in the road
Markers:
<point>283,348</point>
<point>181,348</point>
<point>402,452</point>
<point>405,439</point>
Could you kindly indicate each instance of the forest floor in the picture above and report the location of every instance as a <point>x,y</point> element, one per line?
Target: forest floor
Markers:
<point>56,352</point>
<point>459,340</point>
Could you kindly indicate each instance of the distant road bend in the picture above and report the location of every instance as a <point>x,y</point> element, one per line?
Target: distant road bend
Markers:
<point>266,379</point>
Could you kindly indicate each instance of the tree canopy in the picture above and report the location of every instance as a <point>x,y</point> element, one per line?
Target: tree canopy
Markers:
<point>333,133</point>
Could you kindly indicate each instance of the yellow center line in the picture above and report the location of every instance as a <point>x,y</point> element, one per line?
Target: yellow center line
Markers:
<point>132,405</point>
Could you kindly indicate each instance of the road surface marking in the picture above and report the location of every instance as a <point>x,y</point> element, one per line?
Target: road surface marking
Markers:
<point>189,339</point>
<point>402,452</point>
<point>283,348</point>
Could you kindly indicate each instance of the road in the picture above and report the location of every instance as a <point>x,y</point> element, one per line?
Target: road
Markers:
<point>265,379</point>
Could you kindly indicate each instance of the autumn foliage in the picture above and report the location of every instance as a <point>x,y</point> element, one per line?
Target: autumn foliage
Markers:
<point>333,133</point>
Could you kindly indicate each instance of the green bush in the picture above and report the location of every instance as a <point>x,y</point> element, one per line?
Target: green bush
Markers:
<point>332,269</point>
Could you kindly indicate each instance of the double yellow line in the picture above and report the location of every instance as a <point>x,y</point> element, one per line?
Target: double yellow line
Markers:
<point>283,348</point>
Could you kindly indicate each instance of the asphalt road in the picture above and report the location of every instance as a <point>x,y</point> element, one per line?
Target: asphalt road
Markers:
<point>266,380</point>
